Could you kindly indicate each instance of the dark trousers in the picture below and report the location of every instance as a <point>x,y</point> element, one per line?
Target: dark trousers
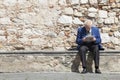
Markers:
<point>93,50</point>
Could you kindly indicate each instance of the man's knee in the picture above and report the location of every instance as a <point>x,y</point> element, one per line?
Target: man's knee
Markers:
<point>83,48</point>
<point>95,47</point>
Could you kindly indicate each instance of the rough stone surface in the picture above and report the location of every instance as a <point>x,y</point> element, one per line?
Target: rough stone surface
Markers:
<point>65,20</point>
<point>74,2</point>
<point>109,20</point>
<point>41,63</point>
<point>102,14</point>
<point>77,21</point>
<point>83,1</point>
<point>105,38</point>
<point>68,11</point>
<point>47,24</point>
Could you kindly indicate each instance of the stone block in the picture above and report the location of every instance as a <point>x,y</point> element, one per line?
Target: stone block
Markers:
<point>66,20</point>
<point>93,15</point>
<point>103,1</point>
<point>117,34</point>
<point>92,9</point>
<point>102,14</point>
<point>62,2</point>
<point>109,20</point>
<point>83,1</point>
<point>93,2</point>
<point>115,40</point>
<point>105,29</point>
<point>74,2</point>
<point>10,2</point>
<point>5,20</point>
<point>100,20</point>
<point>3,39</point>
<point>112,14</point>
<point>2,13</point>
<point>77,14</point>
<point>77,21</point>
<point>68,11</point>
<point>105,38</point>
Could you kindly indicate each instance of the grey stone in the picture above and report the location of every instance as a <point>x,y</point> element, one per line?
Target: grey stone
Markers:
<point>51,34</point>
<point>9,2</point>
<point>105,29</point>
<point>109,20</point>
<point>102,14</point>
<point>5,20</point>
<point>83,1</point>
<point>24,41</point>
<point>45,2</point>
<point>105,38</point>
<point>2,12</point>
<point>36,41</point>
<point>66,20</point>
<point>24,4</point>
<point>92,9</point>
<point>74,2</point>
<point>59,49</point>
<point>68,11</point>
<point>93,2</point>
<point>27,32</point>
<point>61,34</point>
<point>78,14</point>
<point>116,20</point>
<point>100,20</point>
<point>28,18</point>
<point>77,21</point>
<point>112,14</point>
<point>62,2</point>
<point>2,39</point>
<point>2,33</point>
<point>103,1</point>
<point>92,14</point>
<point>117,34</point>
<point>115,40</point>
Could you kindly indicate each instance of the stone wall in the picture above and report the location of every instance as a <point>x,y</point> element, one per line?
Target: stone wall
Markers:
<point>52,24</point>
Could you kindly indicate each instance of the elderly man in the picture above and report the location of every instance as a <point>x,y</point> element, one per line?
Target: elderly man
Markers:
<point>88,38</point>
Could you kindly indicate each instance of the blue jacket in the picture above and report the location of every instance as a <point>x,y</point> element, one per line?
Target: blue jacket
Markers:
<point>82,33</point>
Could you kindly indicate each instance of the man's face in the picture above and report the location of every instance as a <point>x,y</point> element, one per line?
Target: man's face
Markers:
<point>87,26</point>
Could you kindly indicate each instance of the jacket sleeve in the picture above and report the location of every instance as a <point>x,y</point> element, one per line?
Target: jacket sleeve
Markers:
<point>79,37</point>
<point>98,38</point>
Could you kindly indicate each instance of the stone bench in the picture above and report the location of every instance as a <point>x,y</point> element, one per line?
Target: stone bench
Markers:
<point>55,61</point>
<point>69,52</point>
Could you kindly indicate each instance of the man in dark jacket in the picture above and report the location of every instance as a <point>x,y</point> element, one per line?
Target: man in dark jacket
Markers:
<point>88,38</point>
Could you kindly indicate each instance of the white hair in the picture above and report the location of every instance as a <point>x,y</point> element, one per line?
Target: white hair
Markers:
<point>88,22</point>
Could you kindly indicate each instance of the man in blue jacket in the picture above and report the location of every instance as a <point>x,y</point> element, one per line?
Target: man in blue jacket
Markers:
<point>88,38</point>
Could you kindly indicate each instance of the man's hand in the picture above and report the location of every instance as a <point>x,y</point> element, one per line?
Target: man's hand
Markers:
<point>94,39</point>
<point>85,39</point>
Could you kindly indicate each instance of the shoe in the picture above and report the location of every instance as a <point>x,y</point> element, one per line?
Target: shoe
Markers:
<point>84,71</point>
<point>98,71</point>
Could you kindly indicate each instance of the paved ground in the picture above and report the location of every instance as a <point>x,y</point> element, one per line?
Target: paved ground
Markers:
<point>59,76</point>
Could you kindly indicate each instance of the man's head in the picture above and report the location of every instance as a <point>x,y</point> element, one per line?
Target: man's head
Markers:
<point>88,24</point>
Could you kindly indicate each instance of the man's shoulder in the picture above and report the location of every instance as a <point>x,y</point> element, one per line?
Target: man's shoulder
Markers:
<point>94,27</point>
<point>80,28</point>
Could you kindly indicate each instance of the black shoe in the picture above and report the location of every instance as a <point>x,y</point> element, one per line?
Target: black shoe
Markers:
<point>98,71</point>
<point>84,71</point>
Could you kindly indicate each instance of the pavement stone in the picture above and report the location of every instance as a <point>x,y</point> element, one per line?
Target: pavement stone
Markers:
<point>58,76</point>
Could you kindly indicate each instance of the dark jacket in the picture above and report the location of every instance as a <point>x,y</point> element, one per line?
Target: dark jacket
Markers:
<point>81,33</point>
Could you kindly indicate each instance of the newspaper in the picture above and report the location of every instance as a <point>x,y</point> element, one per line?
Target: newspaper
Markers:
<point>89,38</point>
